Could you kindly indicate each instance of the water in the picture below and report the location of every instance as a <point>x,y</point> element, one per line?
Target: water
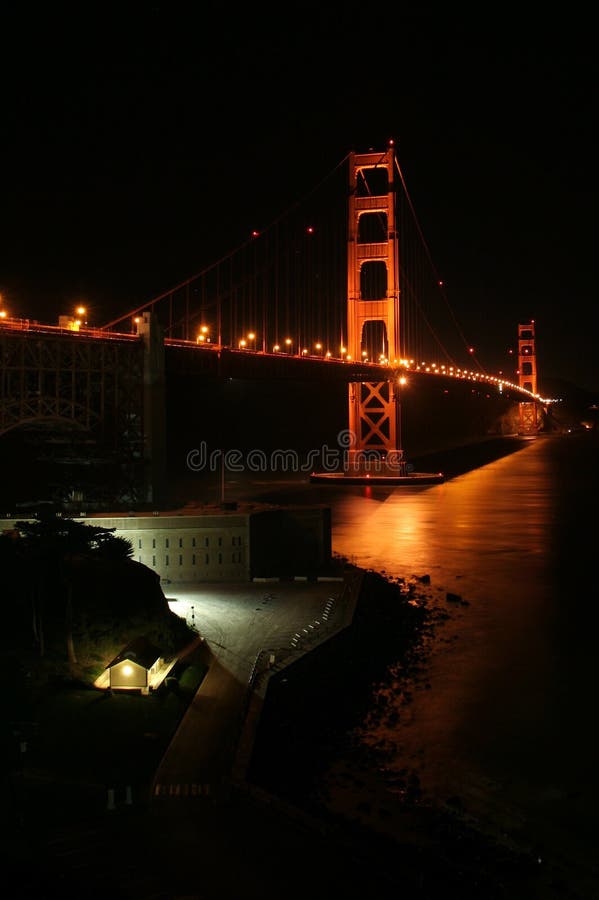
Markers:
<point>508,724</point>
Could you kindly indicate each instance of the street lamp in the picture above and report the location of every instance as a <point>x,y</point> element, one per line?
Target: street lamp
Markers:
<point>401,381</point>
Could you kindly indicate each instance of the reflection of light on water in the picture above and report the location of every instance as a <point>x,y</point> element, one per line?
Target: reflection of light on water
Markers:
<point>506,721</point>
<point>497,509</point>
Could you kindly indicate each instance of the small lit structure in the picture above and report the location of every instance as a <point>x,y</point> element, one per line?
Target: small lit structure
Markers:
<point>135,667</point>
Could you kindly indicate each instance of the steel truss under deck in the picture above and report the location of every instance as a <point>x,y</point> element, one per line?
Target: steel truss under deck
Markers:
<point>86,388</point>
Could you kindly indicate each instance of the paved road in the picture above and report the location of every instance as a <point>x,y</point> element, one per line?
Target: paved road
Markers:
<point>245,626</point>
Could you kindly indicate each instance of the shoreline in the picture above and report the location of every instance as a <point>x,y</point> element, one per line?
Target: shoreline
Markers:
<point>355,783</point>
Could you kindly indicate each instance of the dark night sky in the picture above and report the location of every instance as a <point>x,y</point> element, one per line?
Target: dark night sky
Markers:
<point>138,148</point>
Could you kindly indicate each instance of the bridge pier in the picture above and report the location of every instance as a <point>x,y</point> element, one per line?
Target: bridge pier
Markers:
<point>154,409</point>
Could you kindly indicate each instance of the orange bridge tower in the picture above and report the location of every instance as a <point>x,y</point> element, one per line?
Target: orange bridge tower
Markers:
<point>373,303</point>
<point>527,378</point>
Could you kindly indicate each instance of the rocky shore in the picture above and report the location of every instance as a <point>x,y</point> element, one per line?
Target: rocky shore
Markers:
<point>328,743</point>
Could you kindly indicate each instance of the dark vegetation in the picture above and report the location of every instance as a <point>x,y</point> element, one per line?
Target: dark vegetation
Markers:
<point>73,598</point>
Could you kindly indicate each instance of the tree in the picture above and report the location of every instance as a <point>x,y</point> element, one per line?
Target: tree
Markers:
<point>49,545</point>
<point>114,549</point>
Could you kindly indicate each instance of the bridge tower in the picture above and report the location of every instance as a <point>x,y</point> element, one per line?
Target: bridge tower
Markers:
<point>373,302</point>
<point>527,377</point>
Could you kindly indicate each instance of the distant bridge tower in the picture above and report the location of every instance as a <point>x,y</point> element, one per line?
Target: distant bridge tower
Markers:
<point>372,300</point>
<point>527,375</point>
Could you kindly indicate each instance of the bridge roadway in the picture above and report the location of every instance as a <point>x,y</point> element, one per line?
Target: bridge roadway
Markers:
<point>227,362</point>
<point>220,361</point>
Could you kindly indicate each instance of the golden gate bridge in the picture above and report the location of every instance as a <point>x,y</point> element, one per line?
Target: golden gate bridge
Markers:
<point>341,285</point>
<point>344,275</point>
